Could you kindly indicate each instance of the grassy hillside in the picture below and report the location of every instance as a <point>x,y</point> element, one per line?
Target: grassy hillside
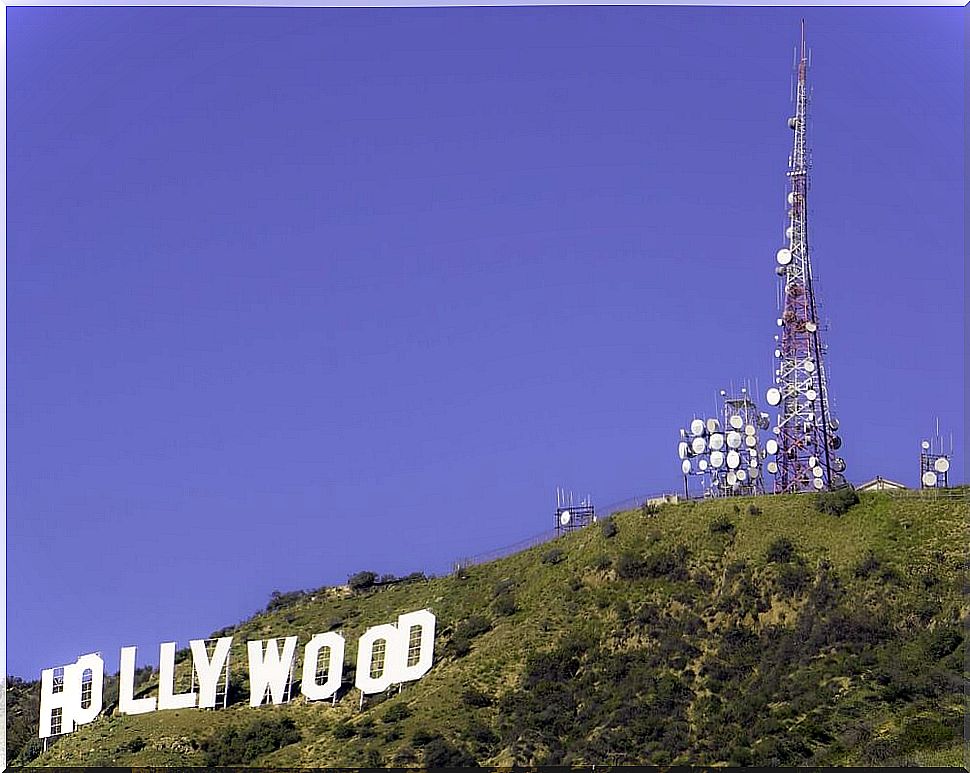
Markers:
<point>735,631</point>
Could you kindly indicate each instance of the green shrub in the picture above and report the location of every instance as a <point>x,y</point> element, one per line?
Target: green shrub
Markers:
<point>438,753</point>
<point>396,713</point>
<point>753,509</point>
<point>609,528</point>
<point>343,730</point>
<point>553,556</point>
<point>476,698</point>
<point>836,502</point>
<point>234,746</point>
<point>781,551</point>
<point>279,600</point>
<point>792,578</point>
<point>722,525</point>
<point>361,580</point>
<point>505,605</point>
<point>601,563</point>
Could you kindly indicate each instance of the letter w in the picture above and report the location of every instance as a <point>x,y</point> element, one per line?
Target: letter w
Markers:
<point>270,669</point>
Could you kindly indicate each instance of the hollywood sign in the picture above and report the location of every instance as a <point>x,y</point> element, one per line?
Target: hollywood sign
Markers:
<point>404,653</point>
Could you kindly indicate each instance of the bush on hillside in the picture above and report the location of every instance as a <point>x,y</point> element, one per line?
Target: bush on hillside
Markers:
<point>438,753</point>
<point>609,528</point>
<point>781,551</point>
<point>722,525</point>
<point>753,509</point>
<point>553,556</point>
<point>361,580</point>
<point>505,605</point>
<point>836,502</point>
<point>234,746</point>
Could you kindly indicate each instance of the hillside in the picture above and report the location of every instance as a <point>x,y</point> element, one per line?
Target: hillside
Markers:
<point>703,633</point>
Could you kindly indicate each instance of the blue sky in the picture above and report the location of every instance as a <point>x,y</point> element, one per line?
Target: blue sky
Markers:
<point>297,292</point>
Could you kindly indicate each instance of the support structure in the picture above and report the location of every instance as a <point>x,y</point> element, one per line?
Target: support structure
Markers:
<point>805,429</point>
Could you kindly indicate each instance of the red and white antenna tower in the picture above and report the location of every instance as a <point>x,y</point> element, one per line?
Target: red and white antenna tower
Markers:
<point>805,430</point>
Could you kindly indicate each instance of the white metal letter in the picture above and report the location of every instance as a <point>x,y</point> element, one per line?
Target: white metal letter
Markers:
<point>127,703</point>
<point>425,620</point>
<point>68,698</point>
<point>269,669</point>
<point>167,697</point>
<point>209,671</point>
<point>334,643</point>
<point>365,655</point>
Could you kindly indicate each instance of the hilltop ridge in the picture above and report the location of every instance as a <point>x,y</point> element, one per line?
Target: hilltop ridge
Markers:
<point>742,631</point>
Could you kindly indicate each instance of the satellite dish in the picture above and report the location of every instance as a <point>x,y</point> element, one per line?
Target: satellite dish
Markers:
<point>818,483</point>
<point>810,395</point>
<point>776,430</point>
<point>717,458</point>
<point>773,467</point>
<point>733,459</point>
<point>698,445</point>
<point>697,427</point>
<point>750,430</point>
<point>835,442</point>
<point>732,479</point>
<point>789,232</point>
<point>565,516</point>
<point>685,466</point>
<point>754,473</point>
<point>750,441</point>
<point>834,424</point>
<point>682,450</point>
<point>791,197</point>
<point>809,366</point>
<point>783,256</point>
<point>925,445</point>
<point>838,464</point>
<point>777,352</point>
<point>812,461</point>
<point>771,446</point>
<point>734,439</point>
<point>942,464</point>
<point>929,478</point>
<point>702,465</point>
<point>838,479</point>
<point>713,425</point>
<point>810,326</point>
<point>773,396</point>
<point>741,475</point>
<point>778,322</point>
<point>736,421</point>
<point>717,441</point>
<point>764,421</point>
<point>818,472</point>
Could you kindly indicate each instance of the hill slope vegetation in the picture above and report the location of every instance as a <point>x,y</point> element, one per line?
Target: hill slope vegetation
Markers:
<point>756,632</point>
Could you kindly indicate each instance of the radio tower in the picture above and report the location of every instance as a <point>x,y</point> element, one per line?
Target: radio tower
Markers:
<point>805,430</point>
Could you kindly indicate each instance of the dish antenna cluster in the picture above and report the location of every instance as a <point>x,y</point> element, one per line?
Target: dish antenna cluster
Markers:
<point>571,516</point>
<point>806,439</point>
<point>934,465</point>
<point>726,454</point>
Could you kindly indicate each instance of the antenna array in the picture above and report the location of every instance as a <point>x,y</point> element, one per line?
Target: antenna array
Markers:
<point>805,429</point>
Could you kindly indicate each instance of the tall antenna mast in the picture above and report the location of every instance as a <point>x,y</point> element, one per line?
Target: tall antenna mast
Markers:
<point>805,429</point>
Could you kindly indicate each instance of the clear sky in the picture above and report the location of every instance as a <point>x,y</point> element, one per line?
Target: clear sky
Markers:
<point>298,292</point>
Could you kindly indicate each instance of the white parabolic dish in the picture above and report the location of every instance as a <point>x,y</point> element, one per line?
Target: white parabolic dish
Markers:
<point>929,478</point>
<point>942,464</point>
<point>773,396</point>
<point>565,516</point>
